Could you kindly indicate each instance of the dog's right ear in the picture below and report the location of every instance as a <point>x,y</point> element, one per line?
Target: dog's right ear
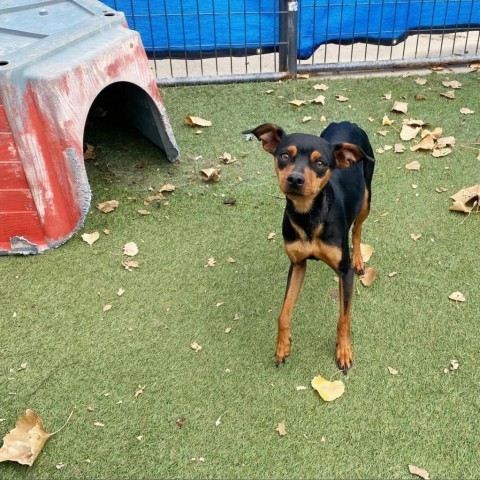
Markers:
<point>269,134</point>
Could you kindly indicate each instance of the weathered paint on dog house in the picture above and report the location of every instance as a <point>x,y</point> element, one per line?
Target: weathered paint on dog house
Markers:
<point>55,60</point>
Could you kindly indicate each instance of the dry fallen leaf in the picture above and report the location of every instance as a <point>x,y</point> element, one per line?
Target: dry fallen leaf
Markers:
<point>211,262</point>
<point>443,142</point>
<point>454,364</point>
<point>387,96</point>
<point>369,276</point>
<point>467,111</point>
<point>457,297</point>
<point>195,346</point>
<point>306,118</point>
<point>90,238</point>
<point>108,206</point>
<point>386,121</point>
<point>210,175</point>
<point>320,86</point>
<point>26,440</point>
<point>441,152</point>
<point>130,264</point>
<point>130,249</point>
<point>168,187</point>
<point>89,153</point>
<point>144,212</point>
<point>451,84</point>
<point>329,391</point>
<point>413,165</point>
<point>281,429</point>
<point>420,81</point>
<point>140,390</point>
<point>450,94</point>
<point>419,471</point>
<point>271,236</point>
<point>399,148</point>
<point>107,307</point>
<point>300,387</point>
<point>297,103</point>
<point>320,99</point>
<point>197,121</point>
<point>466,199</point>
<point>392,371</point>
<point>400,107</point>
<point>409,132</point>
<point>415,236</point>
<point>341,98</point>
<point>366,251</point>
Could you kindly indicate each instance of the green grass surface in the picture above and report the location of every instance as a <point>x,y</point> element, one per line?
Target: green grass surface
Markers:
<point>79,356</point>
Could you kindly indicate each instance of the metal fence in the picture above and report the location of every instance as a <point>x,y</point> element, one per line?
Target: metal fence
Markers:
<point>218,41</point>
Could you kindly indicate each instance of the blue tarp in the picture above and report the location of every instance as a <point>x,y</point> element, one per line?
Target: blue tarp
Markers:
<point>215,27</point>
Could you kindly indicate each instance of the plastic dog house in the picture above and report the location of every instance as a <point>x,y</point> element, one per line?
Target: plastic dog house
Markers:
<point>55,59</point>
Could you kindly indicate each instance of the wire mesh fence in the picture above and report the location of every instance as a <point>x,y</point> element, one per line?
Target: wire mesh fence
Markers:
<point>213,41</point>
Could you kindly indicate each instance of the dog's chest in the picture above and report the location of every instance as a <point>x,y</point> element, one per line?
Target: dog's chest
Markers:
<point>311,246</point>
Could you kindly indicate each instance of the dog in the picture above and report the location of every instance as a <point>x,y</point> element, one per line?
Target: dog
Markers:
<point>327,181</point>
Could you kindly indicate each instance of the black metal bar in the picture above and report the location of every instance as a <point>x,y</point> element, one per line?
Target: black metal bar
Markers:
<point>292,37</point>
<point>283,37</point>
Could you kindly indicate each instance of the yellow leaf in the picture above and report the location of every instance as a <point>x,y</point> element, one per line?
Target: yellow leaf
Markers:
<point>386,120</point>
<point>297,103</point>
<point>466,111</point>
<point>197,121</point>
<point>329,391</point>
<point>413,165</point>
<point>25,441</point>
<point>168,187</point>
<point>400,107</point>
<point>320,99</point>
<point>341,98</point>
<point>320,86</point>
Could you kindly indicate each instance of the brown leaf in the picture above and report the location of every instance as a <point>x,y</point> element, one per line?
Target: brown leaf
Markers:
<point>90,238</point>
<point>130,264</point>
<point>441,152</point>
<point>25,441</point>
<point>399,148</point>
<point>168,187</point>
<point>466,199</point>
<point>426,143</point>
<point>409,132</point>
<point>445,142</point>
<point>387,96</point>
<point>450,94</point>
<point>197,121</point>
<point>89,153</point>
<point>451,84</point>
<point>366,251</point>
<point>369,276</point>
<point>108,206</point>
<point>419,471</point>
<point>413,165</point>
<point>320,99</point>
<point>400,107</point>
<point>210,175</point>
<point>227,158</point>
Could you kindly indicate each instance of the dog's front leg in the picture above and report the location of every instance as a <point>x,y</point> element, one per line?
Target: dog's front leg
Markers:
<point>344,349</point>
<point>296,275</point>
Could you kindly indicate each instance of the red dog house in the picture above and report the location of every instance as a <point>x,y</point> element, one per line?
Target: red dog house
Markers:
<point>55,59</point>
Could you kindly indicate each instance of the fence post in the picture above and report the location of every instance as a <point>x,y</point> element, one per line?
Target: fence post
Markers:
<point>288,37</point>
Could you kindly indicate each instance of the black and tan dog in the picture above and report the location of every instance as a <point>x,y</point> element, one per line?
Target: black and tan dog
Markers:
<point>327,184</point>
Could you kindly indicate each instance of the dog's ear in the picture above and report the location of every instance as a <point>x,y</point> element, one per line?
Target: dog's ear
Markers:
<point>269,134</point>
<point>347,153</point>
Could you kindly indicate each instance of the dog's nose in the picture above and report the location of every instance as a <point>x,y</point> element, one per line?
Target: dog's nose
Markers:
<point>295,180</point>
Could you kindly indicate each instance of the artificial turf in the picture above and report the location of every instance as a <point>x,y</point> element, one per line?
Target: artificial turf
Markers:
<point>229,395</point>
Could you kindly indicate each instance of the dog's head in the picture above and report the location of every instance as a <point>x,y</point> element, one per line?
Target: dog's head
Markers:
<point>303,162</point>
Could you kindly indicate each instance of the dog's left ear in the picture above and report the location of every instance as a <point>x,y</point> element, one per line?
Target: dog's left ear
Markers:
<point>269,134</point>
<point>347,153</point>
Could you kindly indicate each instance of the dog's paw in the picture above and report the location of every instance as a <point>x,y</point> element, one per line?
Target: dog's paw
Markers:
<point>284,349</point>
<point>358,266</point>
<point>344,356</point>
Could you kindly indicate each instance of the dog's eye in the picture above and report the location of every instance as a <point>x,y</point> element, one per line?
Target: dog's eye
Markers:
<point>321,164</point>
<point>285,157</point>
